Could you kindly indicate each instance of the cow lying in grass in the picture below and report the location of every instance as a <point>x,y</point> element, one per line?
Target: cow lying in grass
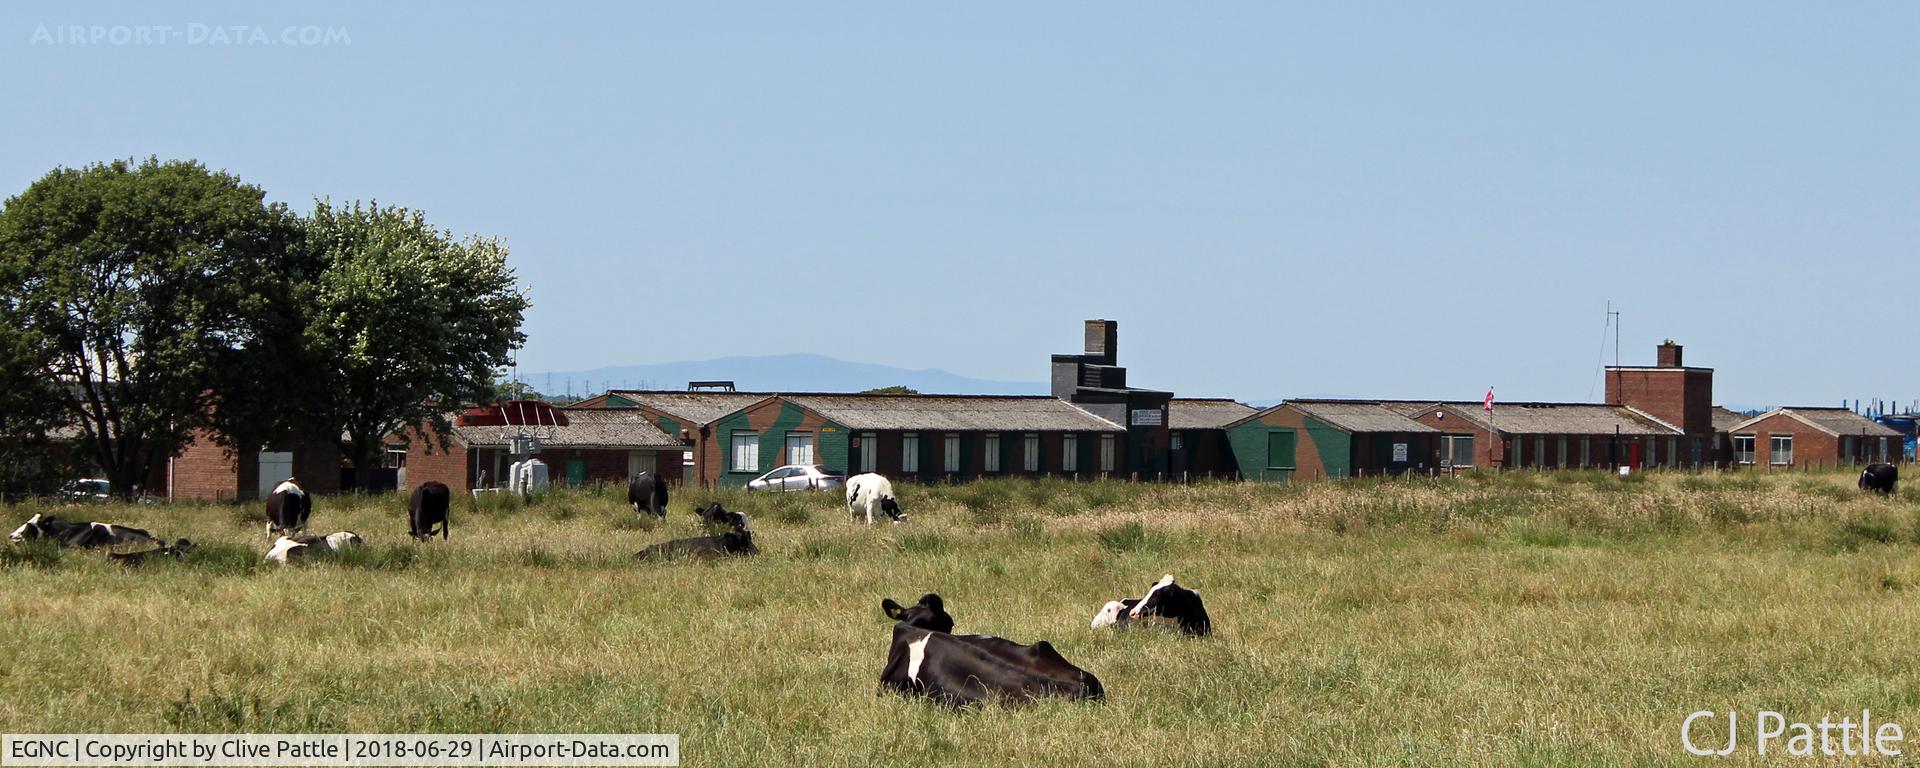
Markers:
<point>961,670</point>
<point>1164,600</point>
<point>87,535</point>
<point>738,540</point>
<point>290,548</point>
<point>176,550</point>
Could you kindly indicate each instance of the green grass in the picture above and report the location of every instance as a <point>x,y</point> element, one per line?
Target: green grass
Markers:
<point>1529,618</point>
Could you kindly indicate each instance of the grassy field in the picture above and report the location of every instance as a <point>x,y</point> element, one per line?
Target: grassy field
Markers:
<point>1554,619</point>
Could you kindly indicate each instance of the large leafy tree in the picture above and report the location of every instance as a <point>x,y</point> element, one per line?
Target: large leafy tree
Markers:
<point>410,321</point>
<point>133,286</point>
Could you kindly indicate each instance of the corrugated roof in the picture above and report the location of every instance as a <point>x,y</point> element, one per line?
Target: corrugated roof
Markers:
<point>697,407</point>
<point>1359,416</point>
<point>1549,418</point>
<point>953,412</point>
<point>1725,420</point>
<point>1833,421</point>
<point>1205,413</point>
<point>586,428</point>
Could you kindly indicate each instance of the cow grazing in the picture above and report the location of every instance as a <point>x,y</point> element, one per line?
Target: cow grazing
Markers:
<point>290,548</point>
<point>869,491</point>
<point>176,550</point>
<point>87,535</point>
<point>929,613</point>
<point>1879,478</point>
<point>288,508</point>
<point>427,509</point>
<point>647,492</point>
<point>962,670</point>
<point>1164,600</point>
<point>737,541</point>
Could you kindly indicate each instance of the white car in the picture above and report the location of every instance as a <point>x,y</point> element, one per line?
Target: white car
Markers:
<point>798,477</point>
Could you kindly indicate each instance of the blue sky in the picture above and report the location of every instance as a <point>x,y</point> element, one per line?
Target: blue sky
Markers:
<point>1273,199</point>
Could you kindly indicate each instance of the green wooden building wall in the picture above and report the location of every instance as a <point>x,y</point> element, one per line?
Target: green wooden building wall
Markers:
<point>1319,449</point>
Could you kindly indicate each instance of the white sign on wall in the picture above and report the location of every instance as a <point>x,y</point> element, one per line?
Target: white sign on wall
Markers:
<point>1146,418</point>
<point>1400,453</point>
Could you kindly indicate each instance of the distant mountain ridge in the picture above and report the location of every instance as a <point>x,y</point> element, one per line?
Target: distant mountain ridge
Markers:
<point>798,372</point>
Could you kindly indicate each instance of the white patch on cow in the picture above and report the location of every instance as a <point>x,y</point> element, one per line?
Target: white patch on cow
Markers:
<point>108,527</point>
<point>288,486</point>
<point>1109,614</point>
<point>20,534</point>
<point>282,548</point>
<point>343,540</point>
<point>1164,581</point>
<point>917,655</point>
<point>865,491</point>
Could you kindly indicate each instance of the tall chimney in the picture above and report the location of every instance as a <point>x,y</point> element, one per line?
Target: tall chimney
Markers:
<point>1669,356</point>
<point>1103,340</point>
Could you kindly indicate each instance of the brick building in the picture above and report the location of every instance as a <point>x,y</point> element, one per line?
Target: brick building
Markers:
<point>1315,439</point>
<point>1197,445</point>
<point>580,446</point>
<point>1676,394</point>
<point>1797,438</point>
<point>687,415</point>
<point>203,470</point>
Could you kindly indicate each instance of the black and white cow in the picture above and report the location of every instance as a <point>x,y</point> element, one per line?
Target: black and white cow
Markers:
<point>1879,478</point>
<point>647,492</point>
<point>737,541</point>
<point>1164,600</point>
<point>929,613</point>
<point>288,508</point>
<point>961,670</point>
<point>866,492</point>
<point>176,550</point>
<point>290,548</point>
<point>714,514</point>
<point>89,535</point>
<point>427,509</point>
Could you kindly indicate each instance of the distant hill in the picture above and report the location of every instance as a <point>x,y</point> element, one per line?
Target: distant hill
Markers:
<point>775,373</point>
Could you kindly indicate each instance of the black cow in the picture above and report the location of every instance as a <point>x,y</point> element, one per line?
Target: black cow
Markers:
<point>1165,600</point>
<point>929,613</point>
<point>176,550</point>
<point>427,508</point>
<point>86,535</point>
<point>1879,478</point>
<point>647,492</point>
<point>967,669</point>
<point>288,508</point>
<point>714,514</point>
<point>738,541</point>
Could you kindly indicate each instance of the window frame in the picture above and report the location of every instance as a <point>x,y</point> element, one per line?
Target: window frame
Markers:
<point>1070,453</point>
<point>1030,453</point>
<point>787,446</point>
<point>950,453</point>
<point>1751,454</point>
<point>748,439</point>
<point>910,453</point>
<point>1293,449</point>
<point>1107,448</point>
<point>1774,442</point>
<point>990,453</point>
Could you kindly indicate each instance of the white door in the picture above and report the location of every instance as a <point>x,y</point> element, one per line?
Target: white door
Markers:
<point>637,462</point>
<point>275,466</point>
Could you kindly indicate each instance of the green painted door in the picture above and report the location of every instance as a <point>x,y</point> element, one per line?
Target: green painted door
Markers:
<point>576,472</point>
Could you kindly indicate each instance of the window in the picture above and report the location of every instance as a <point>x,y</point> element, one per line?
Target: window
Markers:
<point>800,448</point>
<point>1280,449</point>
<point>1780,450</point>
<point>1673,451</point>
<point>1030,453</point>
<point>1560,459</point>
<point>746,451</point>
<point>992,451</point>
<point>869,449</point>
<point>950,454</point>
<point>1586,452</point>
<point>1459,450</point>
<point>1846,448</point>
<point>1743,449</point>
<point>1880,453</point>
<point>1540,450</point>
<point>1175,442</point>
<point>396,459</point>
<point>910,453</point>
<point>1106,453</point>
<point>1069,453</point>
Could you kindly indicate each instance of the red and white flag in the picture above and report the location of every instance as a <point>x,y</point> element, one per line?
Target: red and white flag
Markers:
<point>1489,402</point>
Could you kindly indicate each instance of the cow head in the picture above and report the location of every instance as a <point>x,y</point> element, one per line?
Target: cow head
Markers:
<point>1170,600</point>
<point>344,540</point>
<point>27,530</point>
<point>929,613</point>
<point>891,506</point>
<point>1114,612</point>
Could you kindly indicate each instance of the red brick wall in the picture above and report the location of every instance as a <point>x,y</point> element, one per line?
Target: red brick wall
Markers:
<point>1811,447</point>
<point>203,471</point>
<point>1489,449</point>
<point>429,459</point>
<point>1682,397</point>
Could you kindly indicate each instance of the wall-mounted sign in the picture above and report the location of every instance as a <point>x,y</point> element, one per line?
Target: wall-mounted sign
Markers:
<point>1400,453</point>
<point>1146,418</point>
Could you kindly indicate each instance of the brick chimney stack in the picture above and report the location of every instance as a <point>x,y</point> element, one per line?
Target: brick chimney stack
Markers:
<point>1669,356</point>
<point>1103,341</point>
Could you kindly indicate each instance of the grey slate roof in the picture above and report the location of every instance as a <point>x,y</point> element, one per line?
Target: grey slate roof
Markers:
<point>611,428</point>
<point>1833,421</point>
<point>1205,413</point>
<point>988,413</point>
<point>1725,420</point>
<point>1550,418</point>
<point>697,407</point>
<point>1358,416</point>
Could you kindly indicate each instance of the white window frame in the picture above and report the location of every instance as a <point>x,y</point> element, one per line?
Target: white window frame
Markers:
<point>1586,451</point>
<point>990,453</point>
<point>869,451</point>
<point>1560,460</point>
<point>1069,453</point>
<point>950,454</point>
<point>1447,456</point>
<point>1030,455</point>
<point>910,453</point>
<point>1773,451</point>
<point>1751,454</point>
<point>743,451</point>
<point>395,458</point>
<point>1106,453</point>
<point>800,440</point>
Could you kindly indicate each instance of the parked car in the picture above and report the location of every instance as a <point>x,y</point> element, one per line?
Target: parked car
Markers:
<point>86,489</point>
<point>799,477</point>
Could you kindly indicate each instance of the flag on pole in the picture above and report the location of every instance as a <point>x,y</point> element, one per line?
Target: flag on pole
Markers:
<point>1489,402</point>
